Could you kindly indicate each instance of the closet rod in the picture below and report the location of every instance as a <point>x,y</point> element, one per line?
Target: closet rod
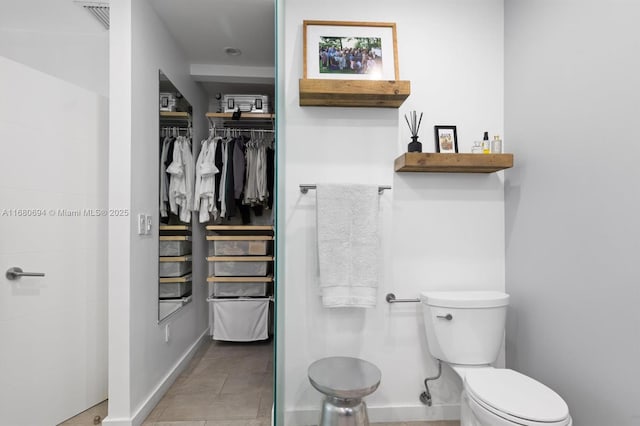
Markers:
<point>239,129</point>
<point>305,188</point>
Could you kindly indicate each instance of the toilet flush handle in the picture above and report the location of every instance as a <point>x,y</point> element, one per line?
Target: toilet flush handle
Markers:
<point>447,317</point>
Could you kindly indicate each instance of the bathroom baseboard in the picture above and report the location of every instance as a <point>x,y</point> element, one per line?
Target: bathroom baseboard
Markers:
<point>406,413</point>
<point>156,395</point>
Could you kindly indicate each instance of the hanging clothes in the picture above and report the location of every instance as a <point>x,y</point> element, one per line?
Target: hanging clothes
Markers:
<point>181,184</point>
<point>256,190</point>
<point>205,187</point>
<point>164,179</point>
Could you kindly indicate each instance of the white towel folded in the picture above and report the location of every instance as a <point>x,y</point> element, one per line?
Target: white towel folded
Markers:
<point>348,244</point>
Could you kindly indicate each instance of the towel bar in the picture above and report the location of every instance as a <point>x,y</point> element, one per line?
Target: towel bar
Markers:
<point>305,188</point>
<point>391,298</point>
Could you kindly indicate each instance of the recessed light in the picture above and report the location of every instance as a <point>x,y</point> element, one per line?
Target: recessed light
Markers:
<point>232,51</point>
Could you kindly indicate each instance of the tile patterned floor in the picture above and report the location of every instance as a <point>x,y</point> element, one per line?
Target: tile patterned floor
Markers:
<point>225,384</point>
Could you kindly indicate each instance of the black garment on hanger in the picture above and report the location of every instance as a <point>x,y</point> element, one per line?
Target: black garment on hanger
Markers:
<point>230,199</point>
<point>218,177</point>
<point>270,175</point>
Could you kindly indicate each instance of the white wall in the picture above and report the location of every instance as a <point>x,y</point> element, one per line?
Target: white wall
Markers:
<point>141,364</point>
<point>572,96</point>
<point>440,231</point>
<point>57,37</point>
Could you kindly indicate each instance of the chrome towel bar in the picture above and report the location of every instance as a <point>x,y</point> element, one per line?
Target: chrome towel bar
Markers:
<point>391,298</point>
<point>305,188</point>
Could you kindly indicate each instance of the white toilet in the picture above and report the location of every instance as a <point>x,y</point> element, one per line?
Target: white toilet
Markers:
<point>465,330</point>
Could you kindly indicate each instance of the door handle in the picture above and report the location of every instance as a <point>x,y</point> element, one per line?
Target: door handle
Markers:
<point>15,272</point>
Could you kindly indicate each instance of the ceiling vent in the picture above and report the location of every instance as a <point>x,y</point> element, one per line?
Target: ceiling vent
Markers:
<point>99,9</point>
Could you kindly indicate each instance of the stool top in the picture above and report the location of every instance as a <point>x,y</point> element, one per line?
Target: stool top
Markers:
<point>344,377</point>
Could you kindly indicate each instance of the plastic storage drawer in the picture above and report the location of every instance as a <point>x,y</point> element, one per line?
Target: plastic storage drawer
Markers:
<point>239,289</point>
<point>174,266</point>
<point>237,268</point>
<point>239,248</point>
<point>174,290</point>
<point>172,246</point>
<point>239,320</point>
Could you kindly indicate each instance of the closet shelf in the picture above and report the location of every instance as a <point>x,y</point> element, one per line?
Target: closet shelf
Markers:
<point>429,162</point>
<point>186,258</point>
<point>239,258</point>
<point>240,228</point>
<point>175,228</point>
<point>183,279</point>
<point>216,279</point>
<point>175,238</point>
<point>243,116</point>
<point>354,93</point>
<point>239,237</point>
<point>174,115</point>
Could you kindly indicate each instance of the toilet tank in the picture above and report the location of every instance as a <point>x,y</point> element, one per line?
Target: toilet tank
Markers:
<point>464,327</point>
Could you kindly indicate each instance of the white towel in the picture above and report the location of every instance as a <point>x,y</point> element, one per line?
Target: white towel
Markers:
<point>348,244</point>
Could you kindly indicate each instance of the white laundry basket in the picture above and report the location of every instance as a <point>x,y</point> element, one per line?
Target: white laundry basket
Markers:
<point>239,319</point>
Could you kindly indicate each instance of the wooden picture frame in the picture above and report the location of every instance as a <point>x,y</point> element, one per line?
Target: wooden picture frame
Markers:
<point>446,138</point>
<point>348,50</point>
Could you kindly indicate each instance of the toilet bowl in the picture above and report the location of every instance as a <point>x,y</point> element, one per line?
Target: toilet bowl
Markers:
<point>465,330</point>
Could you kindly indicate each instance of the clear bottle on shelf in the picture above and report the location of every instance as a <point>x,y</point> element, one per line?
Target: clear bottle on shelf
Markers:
<point>496,145</point>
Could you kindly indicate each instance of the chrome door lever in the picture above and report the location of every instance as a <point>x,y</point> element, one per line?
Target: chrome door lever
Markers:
<point>16,272</point>
<point>447,317</point>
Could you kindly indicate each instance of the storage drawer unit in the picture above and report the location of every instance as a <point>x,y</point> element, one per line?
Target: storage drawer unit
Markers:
<point>230,266</point>
<point>174,245</point>
<point>175,266</point>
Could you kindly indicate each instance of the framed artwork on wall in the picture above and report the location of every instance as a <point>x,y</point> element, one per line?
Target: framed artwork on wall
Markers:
<point>446,139</point>
<point>346,50</point>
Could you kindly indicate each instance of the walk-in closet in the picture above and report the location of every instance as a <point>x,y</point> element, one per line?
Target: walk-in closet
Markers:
<point>202,81</point>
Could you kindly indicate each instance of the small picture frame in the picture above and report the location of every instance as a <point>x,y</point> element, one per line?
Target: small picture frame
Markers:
<point>446,139</point>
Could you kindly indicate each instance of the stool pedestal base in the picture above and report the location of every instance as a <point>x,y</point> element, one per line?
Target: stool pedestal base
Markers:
<point>343,412</point>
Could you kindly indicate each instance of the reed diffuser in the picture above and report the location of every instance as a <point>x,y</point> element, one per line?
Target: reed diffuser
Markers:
<point>414,125</point>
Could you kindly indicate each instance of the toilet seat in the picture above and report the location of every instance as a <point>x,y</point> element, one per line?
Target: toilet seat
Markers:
<point>516,398</point>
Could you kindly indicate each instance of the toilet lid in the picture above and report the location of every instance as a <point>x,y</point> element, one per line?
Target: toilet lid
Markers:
<point>510,392</point>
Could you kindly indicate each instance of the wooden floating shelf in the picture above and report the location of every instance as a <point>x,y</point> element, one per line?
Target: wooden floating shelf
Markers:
<point>452,163</point>
<point>240,228</point>
<point>354,93</point>
<point>239,258</point>
<point>182,279</point>
<point>265,279</point>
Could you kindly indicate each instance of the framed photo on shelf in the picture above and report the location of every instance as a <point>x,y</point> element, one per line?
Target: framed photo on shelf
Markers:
<point>347,50</point>
<point>446,139</point>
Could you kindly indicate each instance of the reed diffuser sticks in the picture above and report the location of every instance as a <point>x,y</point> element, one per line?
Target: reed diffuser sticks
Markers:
<point>414,125</point>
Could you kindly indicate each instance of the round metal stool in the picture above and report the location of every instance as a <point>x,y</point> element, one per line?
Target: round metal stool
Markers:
<point>344,381</point>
